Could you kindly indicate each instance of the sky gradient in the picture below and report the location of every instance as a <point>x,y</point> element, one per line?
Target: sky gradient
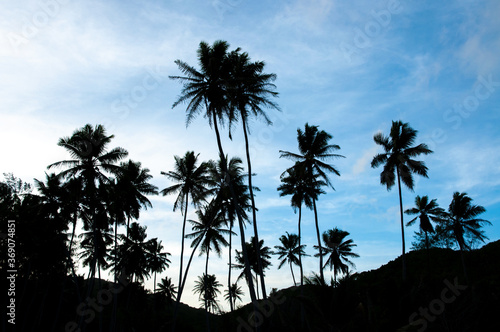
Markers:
<point>350,68</point>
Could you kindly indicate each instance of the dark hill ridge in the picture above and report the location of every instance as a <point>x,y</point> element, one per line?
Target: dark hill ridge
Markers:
<point>435,297</point>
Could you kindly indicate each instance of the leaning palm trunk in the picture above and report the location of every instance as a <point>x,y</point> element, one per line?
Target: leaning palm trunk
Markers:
<point>254,216</point>
<point>300,251</point>
<point>319,244</point>
<point>402,224</point>
<point>248,273</point>
<point>183,236</point>
<point>229,272</point>
<point>205,292</point>
<point>181,286</point>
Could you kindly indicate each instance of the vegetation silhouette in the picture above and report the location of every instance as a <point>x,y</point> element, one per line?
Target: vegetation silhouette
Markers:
<point>105,194</point>
<point>398,164</point>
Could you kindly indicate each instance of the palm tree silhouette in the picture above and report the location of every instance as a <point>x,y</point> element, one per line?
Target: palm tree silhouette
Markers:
<point>295,183</point>
<point>91,161</point>
<point>313,150</point>
<point>232,294</point>
<point>289,251</point>
<point>191,180</point>
<point>398,162</point>
<point>426,211</point>
<point>207,89</point>
<point>208,232</point>
<point>338,250</point>
<point>157,259</point>
<point>167,288</point>
<point>265,254</point>
<point>208,288</point>
<point>460,220</point>
<point>128,196</point>
<point>132,187</point>
<point>224,197</point>
<point>134,252</point>
<point>250,90</point>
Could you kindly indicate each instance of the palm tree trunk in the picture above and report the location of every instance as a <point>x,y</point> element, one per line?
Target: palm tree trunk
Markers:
<point>181,287</point>
<point>254,215</point>
<point>293,277</point>
<point>319,244</point>
<point>205,291</point>
<point>182,241</point>
<point>229,272</point>
<point>300,251</point>
<point>248,273</point>
<point>402,224</point>
<point>463,264</point>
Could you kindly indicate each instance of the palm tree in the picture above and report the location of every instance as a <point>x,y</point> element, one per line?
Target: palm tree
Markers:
<point>296,184</point>
<point>251,247</point>
<point>338,250</point>
<point>398,162</point>
<point>250,89</point>
<point>233,293</point>
<point>91,161</point>
<point>289,251</point>
<point>157,259</point>
<point>224,197</point>
<point>313,151</point>
<point>134,253</point>
<point>208,232</point>
<point>132,187</point>
<point>426,211</point>
<point>167,288</point>
<point>129,195</point>
<point>191,180</point>
<point>207,89</point>
<point>208,286</point>
<point>461,221</point>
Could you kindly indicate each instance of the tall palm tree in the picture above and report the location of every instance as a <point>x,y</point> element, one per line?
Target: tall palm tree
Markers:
<point>289,250</point>
<point>224,197</point>
<point>397,158</point>
<point>167,288</point>
<point>233,293</point>
<point>461,220</point>
<point>250,90</point>
<point>191,180</point>
<point>296,184</point>
<point>207,89</point>
<point>157,259</point>
<point>88,146</point>
<point>425,211</point>
<point>208,286</point>
<point>314,149</point>
<point>338,250</point>
<point>208,231</point>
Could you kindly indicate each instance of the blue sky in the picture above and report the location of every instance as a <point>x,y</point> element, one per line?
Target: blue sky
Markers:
<point>350,68</point>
